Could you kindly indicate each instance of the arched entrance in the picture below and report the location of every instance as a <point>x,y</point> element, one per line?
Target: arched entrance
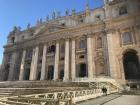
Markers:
<point>131,65</point>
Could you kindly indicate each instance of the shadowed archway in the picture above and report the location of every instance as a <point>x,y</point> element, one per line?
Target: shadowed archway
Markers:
<point>131,65</point>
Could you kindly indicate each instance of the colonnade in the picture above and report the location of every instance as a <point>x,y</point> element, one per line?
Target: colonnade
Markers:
<point>69,60</point>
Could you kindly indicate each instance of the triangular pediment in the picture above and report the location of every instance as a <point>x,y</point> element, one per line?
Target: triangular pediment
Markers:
<point>49,28</point>
<point>54,27</point>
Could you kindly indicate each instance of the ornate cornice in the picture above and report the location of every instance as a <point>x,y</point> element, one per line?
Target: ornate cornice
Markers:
<point>103,27</point>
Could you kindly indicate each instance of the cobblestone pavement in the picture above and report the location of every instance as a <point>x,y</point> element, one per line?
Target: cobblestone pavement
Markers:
<point>114,100</point>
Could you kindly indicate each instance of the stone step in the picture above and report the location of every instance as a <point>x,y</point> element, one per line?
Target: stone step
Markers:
<point>31,84</point>
<point>1,103</point>
<point>131,92</point>
<point>7,102</point>
<point>26,91</point>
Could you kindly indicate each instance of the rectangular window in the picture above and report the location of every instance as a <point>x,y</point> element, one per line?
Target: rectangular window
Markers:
<point>123,11</point>
<point>127,38</point>
<point>82,44</point>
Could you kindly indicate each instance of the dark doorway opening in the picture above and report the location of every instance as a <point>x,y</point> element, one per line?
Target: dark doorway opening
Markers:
<point>61,74</point>
<point>50,72</point>
<point>6,72</point>
<point>38,76</point>
<point>131,65</point>
<point>27,74</point>
<point>83,70</point>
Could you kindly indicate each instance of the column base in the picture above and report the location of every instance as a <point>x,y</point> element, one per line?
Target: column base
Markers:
<point>66,80</point>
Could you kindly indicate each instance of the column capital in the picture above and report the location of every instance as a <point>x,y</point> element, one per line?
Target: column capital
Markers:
<point>57,41</point>
<point>89,36</point>
<point>67,39</point>
<point>73,39</point>
<point>108,31</point>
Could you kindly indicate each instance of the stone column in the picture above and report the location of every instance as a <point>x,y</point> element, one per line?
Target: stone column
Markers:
<point>33,72</point>
<point>22,66</point>
<point>12,66</point>
<point>2,68</point>
<point>111,56</point>
<point>66,64</point>
<point>73,66</point>
<point>43,67</point>
<point>56,65</point>
<point>90,58</point>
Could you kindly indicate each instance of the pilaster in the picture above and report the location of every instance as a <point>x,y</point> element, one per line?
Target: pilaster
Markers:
<point>122,68</point>
<point>111,56</point>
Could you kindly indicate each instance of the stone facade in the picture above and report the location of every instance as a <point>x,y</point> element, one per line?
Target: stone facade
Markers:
<point>100,42</point>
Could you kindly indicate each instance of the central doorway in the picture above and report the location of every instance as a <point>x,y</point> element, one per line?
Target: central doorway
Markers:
<point>131,65</point>
<point>27,74</point>
<point>50,72</point>
<point>61,75</point>
<point>82,70</point>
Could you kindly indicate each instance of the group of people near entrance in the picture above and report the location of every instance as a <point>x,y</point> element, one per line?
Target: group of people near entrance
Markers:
<point>104,90</point>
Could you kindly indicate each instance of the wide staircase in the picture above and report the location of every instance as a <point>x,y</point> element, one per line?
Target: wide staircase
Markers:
<point>52,93</point>
<point>132,87</point>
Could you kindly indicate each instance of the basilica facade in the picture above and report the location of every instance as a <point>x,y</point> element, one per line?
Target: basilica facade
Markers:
<point>101,42</point>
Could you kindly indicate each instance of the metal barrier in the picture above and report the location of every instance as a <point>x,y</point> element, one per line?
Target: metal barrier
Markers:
<point>62,98</point>
<point>56,98</point>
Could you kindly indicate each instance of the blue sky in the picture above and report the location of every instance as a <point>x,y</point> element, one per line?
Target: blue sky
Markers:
<point>22,12</point>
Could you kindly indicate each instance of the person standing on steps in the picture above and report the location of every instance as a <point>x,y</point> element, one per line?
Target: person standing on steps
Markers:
<point>104,90</point>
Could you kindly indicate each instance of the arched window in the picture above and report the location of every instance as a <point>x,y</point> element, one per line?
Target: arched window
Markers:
<point>99,42</point>
<point>123,11</point>
<point>82,44</point>
<point>127,38</point>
